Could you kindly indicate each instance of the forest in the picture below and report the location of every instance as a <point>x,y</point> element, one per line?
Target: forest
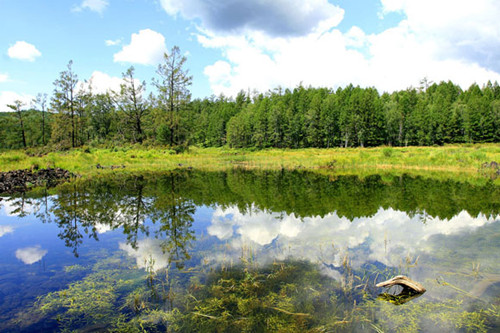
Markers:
<point>351,116</point>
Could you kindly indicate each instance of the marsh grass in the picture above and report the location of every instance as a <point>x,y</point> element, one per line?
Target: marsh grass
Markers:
<point>455,161</point>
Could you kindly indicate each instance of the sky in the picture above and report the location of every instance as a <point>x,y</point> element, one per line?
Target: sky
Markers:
<point>234,45</point>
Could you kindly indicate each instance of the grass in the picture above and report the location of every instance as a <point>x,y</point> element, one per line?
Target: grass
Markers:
<point>462,162</point>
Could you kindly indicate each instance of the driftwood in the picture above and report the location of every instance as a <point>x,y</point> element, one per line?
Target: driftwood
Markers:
<point>411,290</point>
<point>404,282</point>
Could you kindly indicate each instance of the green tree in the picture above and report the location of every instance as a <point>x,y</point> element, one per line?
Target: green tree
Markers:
<point>131,103</point>
<point>173,92</point>
<point>102,116</point>
<point>64,100</point>
<point>17,107</point>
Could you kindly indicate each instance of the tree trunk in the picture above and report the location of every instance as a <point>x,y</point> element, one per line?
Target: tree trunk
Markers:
<point>43,127</point>
<point>22,131</point>
<point>72,128</point>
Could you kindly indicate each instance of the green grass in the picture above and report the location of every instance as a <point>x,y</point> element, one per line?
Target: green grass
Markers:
<point>454,161</point>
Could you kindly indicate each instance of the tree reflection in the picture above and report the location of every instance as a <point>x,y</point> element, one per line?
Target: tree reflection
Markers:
<point>134,204</point>
<point>174,214</point>
<point>71,214</point>
<point>163,205</point>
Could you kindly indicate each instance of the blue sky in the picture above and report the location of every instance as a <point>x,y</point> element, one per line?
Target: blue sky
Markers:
<point>249,44</point>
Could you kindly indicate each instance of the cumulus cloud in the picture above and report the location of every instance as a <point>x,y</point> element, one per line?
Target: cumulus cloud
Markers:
<point>3,77</point>
<point>462,29</point>
<point>30,255</point>
<point>8,97</point>
<point>148,254</point>
<point>276,18</point>
<point>22,50</point>
<point>102,82</point>
<point>97,6</point>
<point>444,41</point>
<point>5,229</point>
<point>391,60</point>
<point>146,48</point>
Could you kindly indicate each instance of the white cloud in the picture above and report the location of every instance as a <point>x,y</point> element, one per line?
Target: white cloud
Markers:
<point>30,255</point>
<point>102,82</point>
<point>4,77</point>
<point>23,51</point>
<point>146,48</point>
<point>356,37</point>
<point>277,18</point>
<point>447,40</point>
<point>8,97</point>
<point>97,6</point>
<point>111,42</point>
<point>461,29</point>
<point>257,61</point>
<point>5,229</point>
<point>394,59</point>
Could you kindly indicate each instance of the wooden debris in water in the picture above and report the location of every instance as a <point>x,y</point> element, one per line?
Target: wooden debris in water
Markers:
<point>411,290</point>
<point>404,282</point>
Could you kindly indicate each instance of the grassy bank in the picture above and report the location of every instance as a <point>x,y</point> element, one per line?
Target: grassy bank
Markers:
<point>457,161</point>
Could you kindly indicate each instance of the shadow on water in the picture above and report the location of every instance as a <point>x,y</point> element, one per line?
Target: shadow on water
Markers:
<point>278,251</point>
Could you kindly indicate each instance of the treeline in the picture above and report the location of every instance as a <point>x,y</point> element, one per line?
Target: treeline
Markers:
<point>433,114</point>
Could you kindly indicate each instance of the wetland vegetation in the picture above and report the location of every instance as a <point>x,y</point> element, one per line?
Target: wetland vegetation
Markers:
<point>458,162</point>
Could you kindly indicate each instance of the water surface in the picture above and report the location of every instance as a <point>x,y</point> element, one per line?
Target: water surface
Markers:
<point>250,251</point>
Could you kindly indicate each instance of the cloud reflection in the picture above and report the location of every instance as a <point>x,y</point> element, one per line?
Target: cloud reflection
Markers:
<point>30,255</point>
<point>382,237</point>
<point>5,229</point>
<point>148,254</point>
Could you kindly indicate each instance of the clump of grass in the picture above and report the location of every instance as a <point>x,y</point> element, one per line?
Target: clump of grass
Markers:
<point>387,152</point>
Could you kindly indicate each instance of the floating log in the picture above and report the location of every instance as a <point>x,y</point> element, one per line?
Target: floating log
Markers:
<point>404,282</point>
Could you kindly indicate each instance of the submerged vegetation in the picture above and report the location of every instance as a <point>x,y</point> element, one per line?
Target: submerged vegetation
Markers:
<point>287,296</point>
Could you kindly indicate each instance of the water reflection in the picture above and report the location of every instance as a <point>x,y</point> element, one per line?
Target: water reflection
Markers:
<point>6,229</point>
<point>258,251</point>
<point>30,255</point>
<point>383,237</point>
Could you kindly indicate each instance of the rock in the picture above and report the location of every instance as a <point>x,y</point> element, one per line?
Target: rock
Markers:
<point>20,180</point>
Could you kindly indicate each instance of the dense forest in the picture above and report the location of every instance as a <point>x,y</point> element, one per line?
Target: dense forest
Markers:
<point>352,116</point>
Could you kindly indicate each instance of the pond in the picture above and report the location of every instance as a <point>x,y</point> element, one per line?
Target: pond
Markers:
<point>249,251</point>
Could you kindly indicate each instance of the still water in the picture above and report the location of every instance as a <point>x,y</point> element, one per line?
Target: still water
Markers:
<point>250,251</point>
